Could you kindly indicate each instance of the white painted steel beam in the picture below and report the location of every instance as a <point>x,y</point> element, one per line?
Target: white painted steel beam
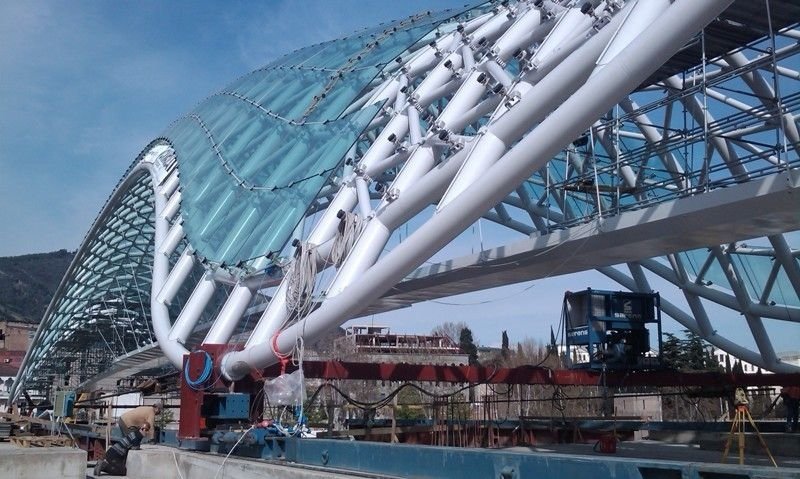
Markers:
<point>683,19</point>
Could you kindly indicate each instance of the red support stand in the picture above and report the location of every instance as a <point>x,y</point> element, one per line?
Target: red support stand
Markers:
<point>192,422</point>
<point>191,399</point>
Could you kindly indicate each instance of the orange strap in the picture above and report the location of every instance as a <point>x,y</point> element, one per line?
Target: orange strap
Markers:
<point>283,358</point>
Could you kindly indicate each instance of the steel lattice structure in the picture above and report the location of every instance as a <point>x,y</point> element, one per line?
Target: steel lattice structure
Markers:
<point>657,135</point>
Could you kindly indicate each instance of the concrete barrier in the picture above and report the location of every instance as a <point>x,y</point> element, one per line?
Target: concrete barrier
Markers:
<point>165,462</point>
<point>41,462</point>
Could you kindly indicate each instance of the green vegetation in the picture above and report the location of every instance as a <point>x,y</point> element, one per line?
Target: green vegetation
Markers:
<point>690,354</point>
<point>467,345</point>
<point>27,284</point>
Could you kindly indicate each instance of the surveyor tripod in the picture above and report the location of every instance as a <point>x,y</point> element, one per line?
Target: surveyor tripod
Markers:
<point>737,430</point>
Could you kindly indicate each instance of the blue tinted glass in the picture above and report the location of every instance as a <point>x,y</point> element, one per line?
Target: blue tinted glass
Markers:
<point>254,156</point>
<point>248,178</point>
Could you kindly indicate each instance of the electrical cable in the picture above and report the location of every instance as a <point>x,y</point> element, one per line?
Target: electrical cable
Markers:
<point>365,405</point>
<point>221,466</point>
<point>349,231</point>
<point>177,468</point>
<point>208,368</point>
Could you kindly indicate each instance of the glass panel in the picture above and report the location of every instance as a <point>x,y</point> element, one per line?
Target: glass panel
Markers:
<point>250,177</point>
<point>248,171</point>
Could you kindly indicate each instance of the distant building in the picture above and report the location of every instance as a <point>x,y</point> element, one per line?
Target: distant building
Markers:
<point>377,344</point>
<point>725,359</point>
<point>15,338</point>
<point>7,377</point>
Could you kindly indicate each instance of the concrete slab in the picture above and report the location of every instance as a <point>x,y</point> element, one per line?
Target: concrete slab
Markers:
<point>41,462</point>
<point>170,463</point>
<point>656,450</point>
<point>321,458</point>
<point>779,444</point>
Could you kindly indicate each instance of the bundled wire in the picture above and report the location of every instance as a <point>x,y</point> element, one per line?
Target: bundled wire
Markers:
<point>208,368</point>
<point>349,229</point>
<point>301,278</point>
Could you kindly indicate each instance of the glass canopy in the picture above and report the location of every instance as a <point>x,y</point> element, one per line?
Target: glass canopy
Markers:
<point>253,157</point>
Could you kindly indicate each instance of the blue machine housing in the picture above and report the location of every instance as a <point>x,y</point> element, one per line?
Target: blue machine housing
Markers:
<point>227,407</point>
<point>612,327</point>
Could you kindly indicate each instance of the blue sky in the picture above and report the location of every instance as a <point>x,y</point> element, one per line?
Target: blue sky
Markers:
<point>84,86</point>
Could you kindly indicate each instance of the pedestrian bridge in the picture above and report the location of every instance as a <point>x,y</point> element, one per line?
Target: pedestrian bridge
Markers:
<point>651,140</point>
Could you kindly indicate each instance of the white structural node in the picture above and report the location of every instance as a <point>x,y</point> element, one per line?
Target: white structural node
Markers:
<point>646,139</point>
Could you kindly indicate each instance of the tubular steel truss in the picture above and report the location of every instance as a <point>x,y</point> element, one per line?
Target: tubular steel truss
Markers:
<point>653,134</point>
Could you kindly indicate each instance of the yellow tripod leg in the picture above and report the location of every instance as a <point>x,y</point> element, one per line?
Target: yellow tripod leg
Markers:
<point>761,438</point>
<point>740,415</point>
<point>730,438</point>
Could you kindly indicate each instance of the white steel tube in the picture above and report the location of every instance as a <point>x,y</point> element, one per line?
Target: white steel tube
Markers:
<point>436,93</point>
<point>276,312</point>
<point>176,277</point>
<point>522,33</point>
<point>683,19</point>
<point>158,310</point>
<point>382,147</point>
<point>484,152</point>
<point>440,75</point>
<point>553,89</point>
<point>465,98</point>
<point>492,29</point>
<point>639,17</point>
<point>325,229</point>
<point>174,237</point>
<point>537,103</point>
<point>400,93</point>
<point>414,128</point>
<point>467,57</point>
<point>272,318</point>
<point>193,309</point>
<point>573,23</point>
<point>387,91</point>
<point>173,205</point>
<point>364,206</point>
<point>170,184</point>
<point>365,252</point>
<point>228,318</point>
<point>501,76</point>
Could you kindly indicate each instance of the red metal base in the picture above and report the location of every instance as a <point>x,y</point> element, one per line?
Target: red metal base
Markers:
<point>191,420</point>
<point>192,423</point>
<point>528,375</point>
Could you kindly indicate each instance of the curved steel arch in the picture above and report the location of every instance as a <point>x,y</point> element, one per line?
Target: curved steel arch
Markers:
<point>541,118</point>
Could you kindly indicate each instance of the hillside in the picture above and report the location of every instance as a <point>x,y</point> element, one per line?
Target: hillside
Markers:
<point>27,283</point>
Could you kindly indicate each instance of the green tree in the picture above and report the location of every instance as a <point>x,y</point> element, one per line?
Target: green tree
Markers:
<point>467,345</point>
<point>505,352</point>
<point>689,354</point>
<point>697,353</point>
<point>671,351</point>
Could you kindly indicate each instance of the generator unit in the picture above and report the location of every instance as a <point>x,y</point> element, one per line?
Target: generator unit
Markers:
<point>63,403</point>
<point>611,329</point>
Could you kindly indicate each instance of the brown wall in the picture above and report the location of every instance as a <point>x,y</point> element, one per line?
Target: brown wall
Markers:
<point>16,341</point>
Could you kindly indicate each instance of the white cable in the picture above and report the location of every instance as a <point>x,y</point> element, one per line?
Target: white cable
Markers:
<point>177,468</point>
<point>301,276</point>
<point>343,243</point>
<point>221,466</point>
